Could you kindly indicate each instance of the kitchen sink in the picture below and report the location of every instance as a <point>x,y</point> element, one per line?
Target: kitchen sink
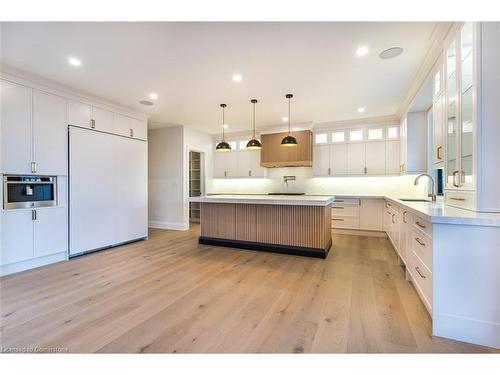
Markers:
<point>414,200</point>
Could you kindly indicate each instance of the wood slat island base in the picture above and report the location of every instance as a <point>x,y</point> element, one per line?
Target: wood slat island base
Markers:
<point>287,229</point>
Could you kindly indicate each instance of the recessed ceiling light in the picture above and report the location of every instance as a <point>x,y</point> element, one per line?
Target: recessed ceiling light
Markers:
<point>284,119</point>
<point>146,102</point>
<point>391,53</point>
<point>225,126</point>
<point>361,109</point>
<point>362,51</point>
<point>153,96</point>
<point>237,77</point>
<point>74,61</point>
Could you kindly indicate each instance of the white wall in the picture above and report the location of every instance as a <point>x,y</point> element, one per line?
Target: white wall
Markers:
<point>165,178</point>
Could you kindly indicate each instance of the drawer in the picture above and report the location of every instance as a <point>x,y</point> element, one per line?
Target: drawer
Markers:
<point>422,279</point>
<point>345,222</point>
<point>460,199</point>
<point>345,201</point>
<point>421,245</point>
<point>422,225</point>
<point>345,210</point>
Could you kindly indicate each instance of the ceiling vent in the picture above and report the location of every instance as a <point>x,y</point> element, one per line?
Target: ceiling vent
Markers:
<point>391,53</point>
<point>146,102</point>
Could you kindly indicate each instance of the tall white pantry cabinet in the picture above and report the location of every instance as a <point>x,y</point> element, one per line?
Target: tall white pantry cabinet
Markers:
<point>34,141</point>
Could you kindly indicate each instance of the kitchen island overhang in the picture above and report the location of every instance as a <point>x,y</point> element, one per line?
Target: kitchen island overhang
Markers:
<point>296,225</point>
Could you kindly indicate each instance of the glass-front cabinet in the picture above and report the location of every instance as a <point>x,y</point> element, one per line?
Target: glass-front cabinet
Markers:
<point>460,109</point>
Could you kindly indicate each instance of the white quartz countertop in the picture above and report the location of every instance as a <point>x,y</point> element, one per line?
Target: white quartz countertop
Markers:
<point>437,212</point>
<point>290,200</point>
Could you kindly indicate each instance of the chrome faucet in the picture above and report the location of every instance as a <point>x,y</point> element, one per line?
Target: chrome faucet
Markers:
<point>432,194</point>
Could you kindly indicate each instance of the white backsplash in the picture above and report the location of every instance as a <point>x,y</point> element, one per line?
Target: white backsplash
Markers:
<point>305,183</point>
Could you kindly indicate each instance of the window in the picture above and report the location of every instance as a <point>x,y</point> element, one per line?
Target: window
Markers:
<point>233,144</point>
<point>338,136</point>
<point>243,144</point>
<point>356,135</point>
<point>320,138</point>
<point>392,132</point>
<point>376,133</point>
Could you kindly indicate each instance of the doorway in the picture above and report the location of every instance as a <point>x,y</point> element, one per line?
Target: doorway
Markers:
<point>196,187</point>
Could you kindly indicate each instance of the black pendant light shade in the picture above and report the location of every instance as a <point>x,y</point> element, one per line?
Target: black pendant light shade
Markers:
<point>289,140</point>
<point>223,146</point>
<point>254,144</point>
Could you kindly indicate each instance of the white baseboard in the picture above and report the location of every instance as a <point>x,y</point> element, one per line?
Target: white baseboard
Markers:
<point>167,225</point>
<point>465,329</point>
<point>357,232</point>
<point>28,264</point>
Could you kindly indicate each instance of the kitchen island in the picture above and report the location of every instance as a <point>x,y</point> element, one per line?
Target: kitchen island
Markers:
<point>297,225</point>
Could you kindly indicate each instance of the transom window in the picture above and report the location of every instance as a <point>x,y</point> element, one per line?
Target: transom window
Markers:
<point>338,136</point>
<point>356,135</point>
<point>321,138</point>
<point>375,133</point>
<point>393,132</point>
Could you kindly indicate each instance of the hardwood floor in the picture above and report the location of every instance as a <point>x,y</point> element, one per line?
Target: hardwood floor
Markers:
<point>171,295</point>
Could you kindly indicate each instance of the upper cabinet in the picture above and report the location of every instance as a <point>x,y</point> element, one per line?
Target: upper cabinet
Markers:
<point>275,155</point>
<point>438,121</point>
<point>34,131</point>
<point>413,150</point>
<point>472,115</point>
<point>94,117</point>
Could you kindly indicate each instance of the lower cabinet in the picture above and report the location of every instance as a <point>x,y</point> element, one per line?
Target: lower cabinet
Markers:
<point>28,234</point>
<point>358,214</point>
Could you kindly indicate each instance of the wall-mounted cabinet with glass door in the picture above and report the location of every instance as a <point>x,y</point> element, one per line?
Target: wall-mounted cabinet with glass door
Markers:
<point>460,124</point>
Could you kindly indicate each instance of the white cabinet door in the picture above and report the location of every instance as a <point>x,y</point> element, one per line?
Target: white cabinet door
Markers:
<point>255,169</point>
<point>371,214</point>
<point>50,134</point>
<point>50,231</point>
<point>16,128</point>
<point>375,158</point>
<point>356,158</point>
<point>403,136</point>
<point>392,154</point>
<point>91,190</point>
<point>403,235</point>
<point>79,114</point>
<point>220,164</point>
<point>17,236</point>
<point>242,164</point>
<point>338,159</point>
<point>438,130</point>
<point>129,189</point>
<point>103,119</point>
<point>321,160</point>
<point>129,127</point>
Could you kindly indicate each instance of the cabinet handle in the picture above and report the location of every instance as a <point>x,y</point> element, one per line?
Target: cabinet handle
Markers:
<point>131,131</point>
<point>338,200</point>
<point>455,173</point>
<point>419,241</point>
<point>225,173</point>
<point>420,273</point>
<point>338,207</point>
<point>334,219</point>
<point>33,167</point>
<point>392,219</point>
<point>404,217</point>
<point>438,153</point>
<point>457,199</point>
<point>92,124</point>
<point>33,214</point>
<point>366,170</point>
<point>420,225</point>
<point>387,204</point>
<point>250,173</point>
<point>329,171</point>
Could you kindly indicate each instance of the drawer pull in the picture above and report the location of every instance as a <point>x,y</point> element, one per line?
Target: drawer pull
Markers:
<point>404,217</point>
<point>420,225</point>
<point>457,199</point>
<point>419,241</point>
<point>392,219</point>
<point>337,219</point>
<point>420,273</point>
<point>338,207</point>
<point>337,200</point>
<point>92,124</point>
<point>439,157</point>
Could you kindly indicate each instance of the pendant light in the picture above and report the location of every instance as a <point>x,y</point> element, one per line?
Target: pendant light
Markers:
<point>223,146</point>
<point>254,144</point>
<point>289,141</point>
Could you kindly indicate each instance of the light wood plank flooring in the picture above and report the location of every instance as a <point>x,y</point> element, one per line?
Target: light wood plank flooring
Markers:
<point>171,295</point>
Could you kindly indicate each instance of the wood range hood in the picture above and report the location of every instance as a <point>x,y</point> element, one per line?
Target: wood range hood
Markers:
<point>273,155</point>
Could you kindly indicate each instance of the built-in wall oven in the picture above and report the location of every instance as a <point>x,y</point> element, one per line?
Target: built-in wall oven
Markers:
<point>29,191</point>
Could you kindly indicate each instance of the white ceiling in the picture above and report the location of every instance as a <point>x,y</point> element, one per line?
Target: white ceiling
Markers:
<point>190,67</point>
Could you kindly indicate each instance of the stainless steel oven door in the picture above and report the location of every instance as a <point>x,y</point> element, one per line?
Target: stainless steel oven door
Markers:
<point>29,191</point>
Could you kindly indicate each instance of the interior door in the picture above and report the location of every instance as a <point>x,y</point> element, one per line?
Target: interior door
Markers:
<point>16,128</point>
<point>375,158</point>
<point>356,158</point>
<point>50,139</point>
<point>130,214</point>
<point>91,191</point>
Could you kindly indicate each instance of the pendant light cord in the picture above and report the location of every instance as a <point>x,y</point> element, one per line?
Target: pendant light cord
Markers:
<point>253,120</point>
<point>288,116</point>
<point>223,124</point>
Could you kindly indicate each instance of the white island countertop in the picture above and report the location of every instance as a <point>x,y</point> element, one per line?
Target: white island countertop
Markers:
<point>288,200</point>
